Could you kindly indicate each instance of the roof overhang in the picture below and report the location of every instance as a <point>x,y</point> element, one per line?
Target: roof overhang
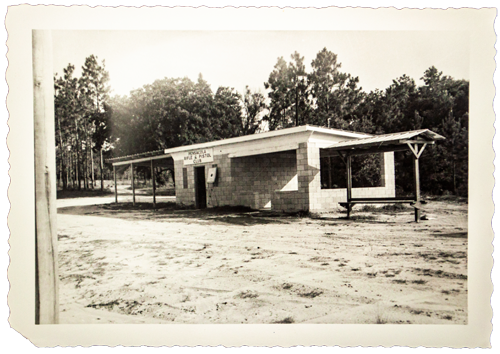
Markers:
<point>265,136</point>
<point>385,143</point>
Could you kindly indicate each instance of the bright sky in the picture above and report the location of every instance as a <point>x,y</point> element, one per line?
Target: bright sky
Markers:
<point>239,58</point>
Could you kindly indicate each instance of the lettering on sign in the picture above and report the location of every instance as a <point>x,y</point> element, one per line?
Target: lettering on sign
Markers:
<point>198,156</point>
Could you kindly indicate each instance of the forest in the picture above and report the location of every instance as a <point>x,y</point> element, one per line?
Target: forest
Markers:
<point>92,126</point>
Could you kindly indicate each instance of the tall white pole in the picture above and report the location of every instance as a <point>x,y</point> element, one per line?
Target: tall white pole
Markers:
<point>46,281</point>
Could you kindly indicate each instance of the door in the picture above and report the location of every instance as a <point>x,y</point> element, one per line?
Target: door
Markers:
<point>200,189</point>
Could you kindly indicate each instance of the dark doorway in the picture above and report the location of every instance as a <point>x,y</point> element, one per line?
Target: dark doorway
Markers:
<point>200,189</point>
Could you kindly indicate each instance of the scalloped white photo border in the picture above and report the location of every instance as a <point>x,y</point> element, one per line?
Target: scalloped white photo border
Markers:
<point>21,20</point>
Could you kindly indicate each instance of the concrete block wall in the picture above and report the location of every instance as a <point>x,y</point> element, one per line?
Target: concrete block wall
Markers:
<point>307,180</point>
<point>217,195</point>
<point>328,199</point>
<point>255,178</point>
<point>285,181</point>
<point>249,181</point>
<point>310,196</point>
<point>184,196</point>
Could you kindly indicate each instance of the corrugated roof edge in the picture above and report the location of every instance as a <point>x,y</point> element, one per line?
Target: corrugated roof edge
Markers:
<point>257,136</point>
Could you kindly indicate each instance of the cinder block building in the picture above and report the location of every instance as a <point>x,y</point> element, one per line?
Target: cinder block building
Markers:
<point>285,170</point>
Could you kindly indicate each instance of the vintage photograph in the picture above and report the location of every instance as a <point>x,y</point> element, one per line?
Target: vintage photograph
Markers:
<point>195,177</point>
<point>261,176</point>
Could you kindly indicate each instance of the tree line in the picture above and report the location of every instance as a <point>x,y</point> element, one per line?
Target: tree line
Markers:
<point>172,112</point>
<point>82,115</point>
<point>326,96</point>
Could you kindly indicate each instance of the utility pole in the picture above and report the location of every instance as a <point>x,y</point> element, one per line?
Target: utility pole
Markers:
<point>46,274</point>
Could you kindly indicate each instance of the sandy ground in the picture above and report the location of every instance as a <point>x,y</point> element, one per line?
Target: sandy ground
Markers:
<point>124,264</point>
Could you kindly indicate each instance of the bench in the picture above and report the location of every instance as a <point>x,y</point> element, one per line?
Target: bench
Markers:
<point>417,204</point>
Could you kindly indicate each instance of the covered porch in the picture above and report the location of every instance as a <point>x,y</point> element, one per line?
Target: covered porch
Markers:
<point>414,141</point>
<point>154,161</point>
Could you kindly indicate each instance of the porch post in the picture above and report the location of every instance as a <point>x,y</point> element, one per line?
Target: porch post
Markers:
<point>349,184</point>
<point>416,174</point>
<point>154,183</point>
<point>133,184</point>
<point>116,188</point>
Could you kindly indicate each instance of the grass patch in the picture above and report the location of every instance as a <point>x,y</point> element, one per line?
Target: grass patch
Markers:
<point>395,207</point>
<point>380,320</point>
<point>450,257</point>
<point>311,294</point>
<point>286,320</point>
<point>247,295</point>
<point>441,274</point>
<point>416,312</point>
<point>453,255</point>
<point>384,208</point>
<point>107,305</point>
<point>368,208</point>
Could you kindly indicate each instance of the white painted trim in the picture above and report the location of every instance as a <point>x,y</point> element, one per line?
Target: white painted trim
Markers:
<point>247,138</point>
<point>339,132</point>
<point>267,150</point>
<point>239,139</point>
<point>143,159</point>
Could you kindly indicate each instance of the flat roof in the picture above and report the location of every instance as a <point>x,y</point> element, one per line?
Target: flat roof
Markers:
<point>387,139</point>
<point>265,135</point>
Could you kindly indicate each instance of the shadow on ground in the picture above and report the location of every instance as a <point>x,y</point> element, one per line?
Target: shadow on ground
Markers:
<point>170,211</point>
<point>109,191</point>
<point>70,193</point>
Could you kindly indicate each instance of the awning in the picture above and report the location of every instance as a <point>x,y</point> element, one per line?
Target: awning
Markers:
<point>414,141</point>
<point>386,142</point>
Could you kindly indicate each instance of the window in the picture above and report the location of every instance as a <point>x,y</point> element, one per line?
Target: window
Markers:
<point>333,172</point>
<point>184,178</point>
<point>367,171</point>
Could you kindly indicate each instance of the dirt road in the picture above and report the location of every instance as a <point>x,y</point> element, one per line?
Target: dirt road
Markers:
<point>124,264</point>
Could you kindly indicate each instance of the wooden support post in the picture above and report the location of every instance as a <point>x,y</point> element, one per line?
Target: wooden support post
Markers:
<point>46,273</point>
<point>349,184</point>
<point>421,150</point>
<point>116,187</point>
<point>154,183</point>
<point>416,174</point>
<point>101,165</point>
<point>133,183</point>
<point>342,158</point>
<point>329,171</point>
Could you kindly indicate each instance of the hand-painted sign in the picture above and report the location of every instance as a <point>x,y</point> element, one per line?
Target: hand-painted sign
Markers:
<point>198,156</point>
